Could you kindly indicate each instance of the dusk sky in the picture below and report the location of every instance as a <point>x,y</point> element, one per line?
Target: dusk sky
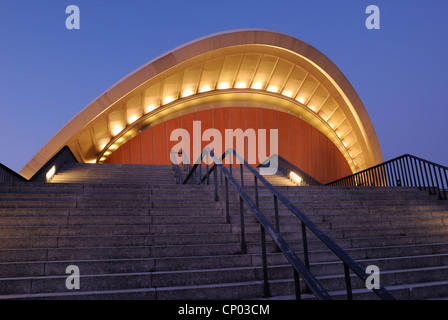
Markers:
<point>48,73</point>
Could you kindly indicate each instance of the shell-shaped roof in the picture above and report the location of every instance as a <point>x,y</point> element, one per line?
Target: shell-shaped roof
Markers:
<point>254,67</point>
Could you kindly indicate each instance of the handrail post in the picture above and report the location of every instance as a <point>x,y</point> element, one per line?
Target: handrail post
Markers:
<point>195,181</point>
<point>242,176</point>
<point>411,175</point>
<point>305,251</point>
<point>437,181</point>
<point>446,183</point>
<point>243,236</point>
<point>305,246</point>
<point>227,201</point>
<point>266,289</point>
<point>215,174</point>
<point>403,172</point>
<point>348,282</point>
<point>397,175</point>
<point>415,173</point>
<point>257,200</point>
<point>208,174</point>
<point>441,185</point>
<point>231,164</point>
<point>297,286</point>
<point>389,173</point>
<point>423,175</point>
<point>432,179</point>
<point>277,222</point>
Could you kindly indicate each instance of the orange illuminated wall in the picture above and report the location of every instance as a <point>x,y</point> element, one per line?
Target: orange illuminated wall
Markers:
<point>299,142</point>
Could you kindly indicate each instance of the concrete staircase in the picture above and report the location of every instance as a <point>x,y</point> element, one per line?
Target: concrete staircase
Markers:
<point>277,179</point>
<point>135,234</point>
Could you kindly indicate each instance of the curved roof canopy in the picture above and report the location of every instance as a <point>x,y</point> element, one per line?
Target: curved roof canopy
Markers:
<point>258,67</point>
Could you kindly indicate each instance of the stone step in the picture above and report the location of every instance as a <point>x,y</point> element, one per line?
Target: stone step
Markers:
<point>277,263</point>
<point>402,226</point>
<point>45,260</point>
<point>121,239</point>
<point>238,290</point>
<point>124,229</point>
<point>104,220</point>
<point>253,242</point>
<point>287,223</point>
<point>135,233</point>
<point>166,196</point>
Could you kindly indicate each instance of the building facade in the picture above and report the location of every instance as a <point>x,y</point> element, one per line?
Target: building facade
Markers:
<point>243,79</point>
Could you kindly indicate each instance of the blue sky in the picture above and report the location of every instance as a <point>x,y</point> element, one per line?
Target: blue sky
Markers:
<point>48,73</point>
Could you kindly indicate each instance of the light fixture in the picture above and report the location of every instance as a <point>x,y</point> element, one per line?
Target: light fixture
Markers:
<point>103,144</point>
<point>223,86</point>
<point>287,93</point>
<point>272,89</point>
<point>150,108</point>
<point>301,100</point>
<point>295,178</point>
<point>51,173</point>
<point>187,93</point>
<point>257,85</point>
<point>132,119</point>
<point>116,130</point>
<point>338,134</point>
<point>168,100</point>
<point>205,88</point>
<point>241,85</point>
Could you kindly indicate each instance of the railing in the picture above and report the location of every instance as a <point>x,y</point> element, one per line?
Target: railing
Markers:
<point>301,269</point>
<point>186,166</point>
<point>404,171</point>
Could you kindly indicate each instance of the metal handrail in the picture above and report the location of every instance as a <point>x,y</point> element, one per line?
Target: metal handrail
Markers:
<point>300,269</point>
<point>404,171</point>
<point>348,262</point>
